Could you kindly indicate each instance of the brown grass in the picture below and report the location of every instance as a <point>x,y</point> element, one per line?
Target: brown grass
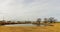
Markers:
<point>55,28</point>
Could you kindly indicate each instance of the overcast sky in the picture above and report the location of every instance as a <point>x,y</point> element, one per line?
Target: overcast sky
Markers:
<point>29,9</point>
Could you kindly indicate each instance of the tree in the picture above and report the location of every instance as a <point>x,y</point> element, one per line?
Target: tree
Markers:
<point>55,20</point>
<point>52,20</point>
<point>45,20</point>
<point>38,21</point>
<point>8,22</point>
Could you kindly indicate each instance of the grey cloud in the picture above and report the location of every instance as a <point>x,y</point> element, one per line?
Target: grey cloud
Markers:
<point>28,9</point>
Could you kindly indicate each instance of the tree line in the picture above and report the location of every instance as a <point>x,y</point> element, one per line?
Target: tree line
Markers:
<point>38,21</point>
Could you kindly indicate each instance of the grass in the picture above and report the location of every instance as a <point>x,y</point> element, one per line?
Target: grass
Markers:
<point>55,28</point>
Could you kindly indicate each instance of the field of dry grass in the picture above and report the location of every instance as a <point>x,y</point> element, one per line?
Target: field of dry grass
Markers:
<point>55,28</point>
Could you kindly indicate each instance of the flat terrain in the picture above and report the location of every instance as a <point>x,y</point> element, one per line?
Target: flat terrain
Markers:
<point>55,28</point>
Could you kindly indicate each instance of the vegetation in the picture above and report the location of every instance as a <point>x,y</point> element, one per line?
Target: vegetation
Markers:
<point>51,25</point>
<point>38,22</point>
<point>52,20</point>
<point>55,28</point>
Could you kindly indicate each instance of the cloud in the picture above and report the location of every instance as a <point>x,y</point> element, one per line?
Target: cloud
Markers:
<point>28,9</point>
<point>33,9</point>
<point>24,9</point>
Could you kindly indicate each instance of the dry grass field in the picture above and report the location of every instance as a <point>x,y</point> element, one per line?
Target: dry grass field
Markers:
<point>55,28</point>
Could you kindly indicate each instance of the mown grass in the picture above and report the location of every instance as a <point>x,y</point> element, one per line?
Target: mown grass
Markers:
<point>54,28</point>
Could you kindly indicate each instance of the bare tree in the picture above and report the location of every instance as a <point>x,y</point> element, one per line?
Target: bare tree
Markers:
<point>52,20</point>
<point>18,22</point>
<point>55,20</point>
<point>38,21</point>
<point>45,20</point>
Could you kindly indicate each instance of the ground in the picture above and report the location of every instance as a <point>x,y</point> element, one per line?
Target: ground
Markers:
<point>55,28</point>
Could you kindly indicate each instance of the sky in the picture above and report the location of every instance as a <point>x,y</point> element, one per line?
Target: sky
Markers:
<point>29,9</point>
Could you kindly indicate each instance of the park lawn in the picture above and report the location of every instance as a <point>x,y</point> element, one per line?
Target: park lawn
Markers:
<point>55,28</point>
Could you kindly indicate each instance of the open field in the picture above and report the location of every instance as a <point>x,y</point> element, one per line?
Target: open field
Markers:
<point>55,28</point>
